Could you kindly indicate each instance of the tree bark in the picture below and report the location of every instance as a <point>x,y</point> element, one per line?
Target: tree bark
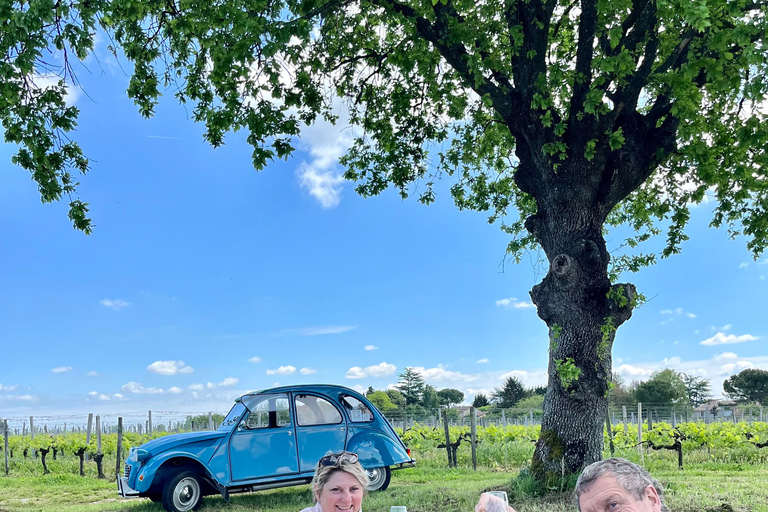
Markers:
<point>582,310</point>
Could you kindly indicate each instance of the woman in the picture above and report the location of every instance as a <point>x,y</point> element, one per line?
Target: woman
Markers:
<point>339,484</point>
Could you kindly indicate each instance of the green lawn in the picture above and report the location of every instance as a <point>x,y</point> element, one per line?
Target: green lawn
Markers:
<point>704,486</point>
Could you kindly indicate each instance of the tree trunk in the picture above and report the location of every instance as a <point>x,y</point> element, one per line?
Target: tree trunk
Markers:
<point>81,455</point>
<point>43,453</point>
<point>582,310</point>
<point>98,458</point>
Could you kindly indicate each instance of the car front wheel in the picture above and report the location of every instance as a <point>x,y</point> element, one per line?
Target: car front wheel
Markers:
<point>182,493</point>
<point>379,478</point>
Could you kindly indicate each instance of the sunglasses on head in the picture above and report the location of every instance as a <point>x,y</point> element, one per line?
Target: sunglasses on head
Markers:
<point>334,459</point>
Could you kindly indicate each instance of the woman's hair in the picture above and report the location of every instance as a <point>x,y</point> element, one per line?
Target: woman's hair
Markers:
<point>633,478</point>
<point>323,472</point>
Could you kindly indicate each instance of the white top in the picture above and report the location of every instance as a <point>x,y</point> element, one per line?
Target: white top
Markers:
<point>318,508</point>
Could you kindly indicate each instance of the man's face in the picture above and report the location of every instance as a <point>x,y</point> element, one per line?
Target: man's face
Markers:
<point>607,495</point>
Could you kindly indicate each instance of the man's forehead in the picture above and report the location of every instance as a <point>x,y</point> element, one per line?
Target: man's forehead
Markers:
<point>605,487</point>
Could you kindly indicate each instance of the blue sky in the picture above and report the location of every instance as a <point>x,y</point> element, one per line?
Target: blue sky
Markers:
<point>205,279</point>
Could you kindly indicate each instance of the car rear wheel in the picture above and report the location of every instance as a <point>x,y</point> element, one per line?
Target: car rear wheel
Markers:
<point>379,478</point>
<point>183,492</point>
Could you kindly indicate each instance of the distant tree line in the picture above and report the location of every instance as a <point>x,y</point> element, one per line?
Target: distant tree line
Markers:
<point>668,387</point>
<point>415,397</point>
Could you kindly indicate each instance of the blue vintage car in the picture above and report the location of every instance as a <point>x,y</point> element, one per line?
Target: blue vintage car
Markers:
<point>270,438</point>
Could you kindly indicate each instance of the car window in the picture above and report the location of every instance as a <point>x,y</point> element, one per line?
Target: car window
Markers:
<point>270,411</point>
<point>315,410</point>
<point>357,411</point>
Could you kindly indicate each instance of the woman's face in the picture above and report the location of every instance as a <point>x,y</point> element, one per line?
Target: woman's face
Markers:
<point>341,493</point>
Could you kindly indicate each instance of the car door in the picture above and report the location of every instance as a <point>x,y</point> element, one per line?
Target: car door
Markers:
<point>264,443</point>
<point>320,428</point>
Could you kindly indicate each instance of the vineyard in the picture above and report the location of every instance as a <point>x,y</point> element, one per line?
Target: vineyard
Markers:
<point>497,446</point>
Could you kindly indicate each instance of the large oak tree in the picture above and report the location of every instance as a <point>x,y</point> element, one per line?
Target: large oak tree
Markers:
<point>559,118</point>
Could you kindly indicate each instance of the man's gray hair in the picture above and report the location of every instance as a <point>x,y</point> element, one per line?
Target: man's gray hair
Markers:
<point>633,478</point>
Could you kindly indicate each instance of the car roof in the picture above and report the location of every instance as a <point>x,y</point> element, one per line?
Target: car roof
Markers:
<point>307,388</point>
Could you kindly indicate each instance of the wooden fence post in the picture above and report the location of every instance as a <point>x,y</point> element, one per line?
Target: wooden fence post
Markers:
<point>610,431</point>
<point>210,420</point>
<point>473,434</point>
<point>5,438</point>
<point>32,434</point>
<point>624,416</point>
<point>447,441</point>
<point>98,434</point>
<point>640,429</point>
<point>149,422</point>
<point>119,445</point>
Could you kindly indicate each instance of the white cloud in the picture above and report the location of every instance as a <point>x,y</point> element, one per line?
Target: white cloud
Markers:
<point>229,382</point>
<point>283,370</point>
<point>307,371</point>
<point>92,374</point>
<point>72,94</point>
<point>8,388</point>
<point>62,369</point>
<point>196,387</point>
<point>93,393</point>
<point>743,265</point>
<point>726,356</point>
<point>254,360</point>
<point>169,367</point>
<point>440,373</point>
<point>731,368</point>
<point>514,303</point>
<point>671,361</point>
<point>726,339</point>
<point>633,371</point>
<point>483,360</point>
<point>382,369</point>
<point>325,186</point>
<point>371,347</point>
<point>137,388</point>
<point>666,312</point>
<point>676,311</point>
<point>691,315</point>
<point>116,304</point>
<point>175,390</point>
<point>325,143</point>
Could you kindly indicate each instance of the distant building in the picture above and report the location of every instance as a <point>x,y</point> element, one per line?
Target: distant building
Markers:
<point>464,411</point>
<point>713,409</point>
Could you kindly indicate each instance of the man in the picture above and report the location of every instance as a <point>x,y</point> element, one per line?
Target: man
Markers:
<point>618,485</point>
<point>611,485</point>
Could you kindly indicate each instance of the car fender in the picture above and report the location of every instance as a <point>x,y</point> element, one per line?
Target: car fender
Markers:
<point>148,471</point>
<point>376,449</point>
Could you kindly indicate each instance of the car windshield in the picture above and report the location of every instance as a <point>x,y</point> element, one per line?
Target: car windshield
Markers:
<point>233,417</point>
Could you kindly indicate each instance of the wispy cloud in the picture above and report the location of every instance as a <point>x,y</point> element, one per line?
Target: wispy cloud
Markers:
<point>283,370</point>
<point>514,303</point>
<point>105,397</point>
<point>139,389</point>
<point>92,374</point>
<point>383,369</point>
<point>8,388</point>
<point>61,369</point>
<point>165,137</point>
<point>371,347</point>
<point>483,360</point>
<point>169,367</point>
<point>319,330</point>
<point>743,265</point>
<point>726,339</point>
<point>116,304</point>
<point>678,312</point>
<point>255,360</point>
<point>307,371</point>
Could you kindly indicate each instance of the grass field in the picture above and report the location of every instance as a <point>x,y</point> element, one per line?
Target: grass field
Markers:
<point>720,483</point>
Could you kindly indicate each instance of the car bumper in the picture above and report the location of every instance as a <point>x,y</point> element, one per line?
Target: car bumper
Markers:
<point>125,490</point>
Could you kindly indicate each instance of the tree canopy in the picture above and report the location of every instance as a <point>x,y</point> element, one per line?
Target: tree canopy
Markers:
<point>510,392</point>
<point>665,387</point>
<point>750,385</point>
<point>558,118</point>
